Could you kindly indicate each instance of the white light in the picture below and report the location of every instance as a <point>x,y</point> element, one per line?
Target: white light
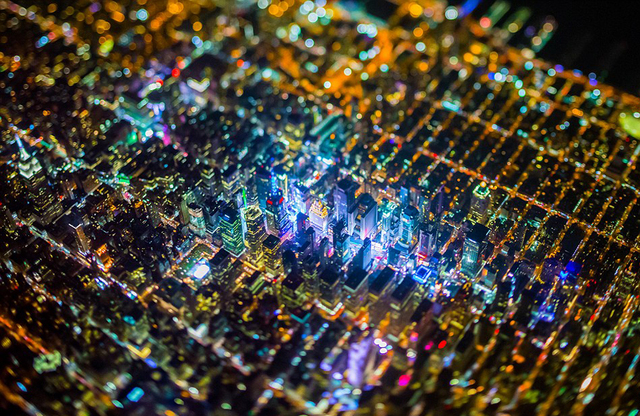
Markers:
<point>451,13</point>
<point>347,71</point>
<point>327,84</point>
<point>201,271</point>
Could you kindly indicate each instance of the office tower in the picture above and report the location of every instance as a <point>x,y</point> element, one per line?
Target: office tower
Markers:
<point>480,200</point>
<point>255,231</point>
<point>340,242</point>
<point>231,231</point>
<point>272,256</point>
<point>263,186</point>
<point>188,197</point>
<point>362,258</point>
<point>408,225</point>
<point>366,217</point>
<point>81,238</point>
<point>424,204</point>
<point>311,237</point>
<point>282,180</point>
<point>209,181</point>
<point>330,284</point>
<point>344,196</point>
<point>355,289</point>
<point>302,223</point>
<point>231,182</point>
<point>7,222</point>
<point>197,223</point>
<point>427,239</point>
<point>387,213</point>
<point>278,223</point>
<point>471,249</point>
<point>301,198</point>
<point>319,218</point>
<point>45,203</point>
<point>220,267</point>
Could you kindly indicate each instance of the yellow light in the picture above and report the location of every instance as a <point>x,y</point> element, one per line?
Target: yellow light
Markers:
<point>415,9</point>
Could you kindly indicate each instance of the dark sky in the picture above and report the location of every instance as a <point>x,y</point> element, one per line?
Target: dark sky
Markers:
<point>592,35</point>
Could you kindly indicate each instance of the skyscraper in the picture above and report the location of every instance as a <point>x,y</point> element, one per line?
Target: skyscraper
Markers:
<point>231,231</point>
<point>272,247</point>
<point>408,225</point>
<point>319,218</point>
<point>344,196</point>
<point>480,200</point>
<point>366,216</point>
<point>197,223</point>
<point>81,238</point>
<point>278,223</point>
<point>263,186</point>
<point>340,242</point>
<point>45,203</point>
<point>6,219</point>
<point>387,219</point>
<point>471,248</point>
<point>255,231</point>
<point>427,238</point>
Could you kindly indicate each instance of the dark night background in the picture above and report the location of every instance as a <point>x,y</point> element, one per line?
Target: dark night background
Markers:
<point>601,36</point>
<point>593,36</point>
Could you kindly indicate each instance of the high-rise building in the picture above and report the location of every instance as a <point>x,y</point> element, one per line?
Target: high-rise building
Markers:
<point>7,222</point>
<point>366,216</point>
<point>209,181</point>
<point>278,222</point>
<point>427,239</point>
<point>46,205</point>
<point>408,225</point>
<point>81,238</point>
<point>255,231</point>
<point>231,231</point>
<point>471,248</point>
<point>362,258</point>
<point>319,218</point>
<point>263,186</point>
<point>301,198</point>
<point>344,196</point>
<point>388,220</point>
<point>197,223</point>
<point>340,242</point>
<point>272,255</point>
<point>480,201</point>
<point>282,180</point>
<point>231,182</point>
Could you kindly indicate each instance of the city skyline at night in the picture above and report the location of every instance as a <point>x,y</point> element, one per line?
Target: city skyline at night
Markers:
<point>285,207</point>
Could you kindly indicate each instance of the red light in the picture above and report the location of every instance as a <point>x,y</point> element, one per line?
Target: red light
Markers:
<point>442,344</point>
<point>485,22</point>
<point>270,202</point>
<point>428,346</point>
<point>175,73</point>
<point>159,81</point>
<point>404,380</point>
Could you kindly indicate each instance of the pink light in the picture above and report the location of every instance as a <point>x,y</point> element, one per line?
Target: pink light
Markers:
<point>404,380</point>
